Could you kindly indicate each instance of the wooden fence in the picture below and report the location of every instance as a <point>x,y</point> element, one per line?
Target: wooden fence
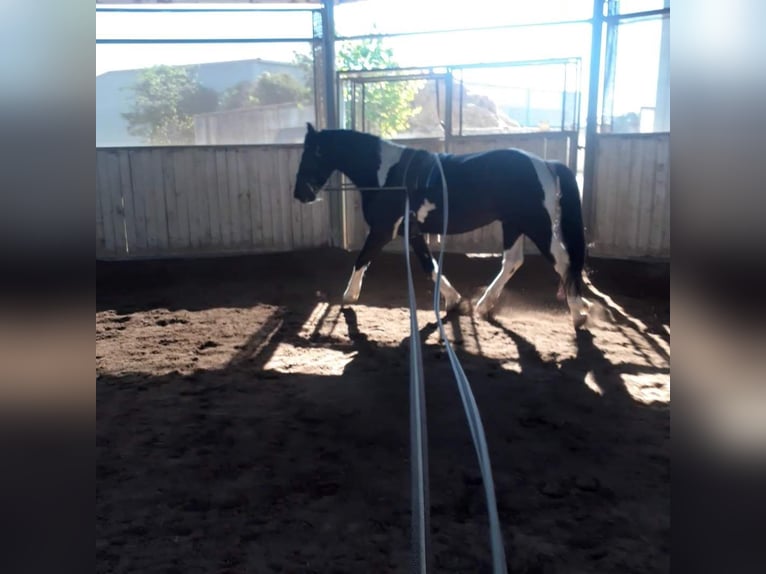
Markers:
<point>180,201</point>
<point>630,202</point>
<point>215,200</point>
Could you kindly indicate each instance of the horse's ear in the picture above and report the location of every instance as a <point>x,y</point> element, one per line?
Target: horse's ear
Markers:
<point>310,128</point>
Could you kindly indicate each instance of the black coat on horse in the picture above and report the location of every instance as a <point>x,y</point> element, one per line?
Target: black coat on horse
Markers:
<point>528,195</point>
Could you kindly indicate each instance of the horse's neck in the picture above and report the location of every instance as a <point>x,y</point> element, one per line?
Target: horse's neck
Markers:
<point>360,160</point>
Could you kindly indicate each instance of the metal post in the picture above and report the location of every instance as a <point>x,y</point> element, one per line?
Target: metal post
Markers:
<point>591,126</point>
<point>337,201</point>
<point>328,38</point>
<point>448,110</point>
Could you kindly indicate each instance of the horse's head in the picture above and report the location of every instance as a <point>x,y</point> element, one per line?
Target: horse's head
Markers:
<point>315,168</point>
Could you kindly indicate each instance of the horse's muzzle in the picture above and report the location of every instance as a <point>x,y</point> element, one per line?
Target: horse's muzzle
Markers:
<point>304,192</point>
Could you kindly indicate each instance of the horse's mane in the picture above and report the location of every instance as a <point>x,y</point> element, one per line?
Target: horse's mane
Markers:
<point>341,137</point>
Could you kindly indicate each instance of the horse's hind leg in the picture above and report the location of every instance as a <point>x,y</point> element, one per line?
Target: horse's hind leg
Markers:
<point>372,247</point>
<point>556,253</point>
<point>451,296</point>
<point>513,257</point>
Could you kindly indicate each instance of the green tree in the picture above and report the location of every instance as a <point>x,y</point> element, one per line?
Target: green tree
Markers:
<point>388,105</point>
<point>239,96</point>
<point>266,90</point>
<point>166,99</point>
<point>280,88</point>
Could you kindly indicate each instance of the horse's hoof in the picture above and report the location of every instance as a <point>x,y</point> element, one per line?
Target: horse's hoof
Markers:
<point>482,311</point>
<point>579,321</point>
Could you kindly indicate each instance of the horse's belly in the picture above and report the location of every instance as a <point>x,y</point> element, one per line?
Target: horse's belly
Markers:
<point>460,220</point>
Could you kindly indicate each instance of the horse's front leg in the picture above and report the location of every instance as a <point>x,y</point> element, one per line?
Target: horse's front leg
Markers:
<point>372,247</point>
<point>451,296</point>
<point>513,258</point>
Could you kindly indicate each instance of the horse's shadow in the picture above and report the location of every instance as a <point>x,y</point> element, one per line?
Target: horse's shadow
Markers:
<point>315,440</point>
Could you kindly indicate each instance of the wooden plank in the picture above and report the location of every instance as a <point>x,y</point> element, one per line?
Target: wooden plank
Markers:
<point>192,200</point>
<point>605,184</point>
<point>211,191</point>
<point>182,192</point>
<point>253,174</point>
<point>664,159</point>
<point>307,219</point>
<point>172,217</point>
<point>634,164</point>
<point>232,176</point>
<point>198,222</point>
<point>224,198</point>
<point>117,210</point>
<point>269,188</point>
<point>185,197</point>
<point>157,211</point>
<point>133,225</point>
<point>113,164</point>
<point>646,200</point>
<point>622,215</point>
<point>660,236</point>
<point>202,187</point>
<point>103,244</point>
<point>244,211</point>
<point>296,223</point>
<point>268,184</point>
<point>139,175</point>
<point>104,181</point>
<point>288,167</point>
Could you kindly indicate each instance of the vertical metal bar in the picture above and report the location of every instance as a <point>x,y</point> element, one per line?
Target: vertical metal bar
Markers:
<point>462,95</point>
<point>328,37</point>
<point>564,100</point>
<point>353,104</point>
<point>662,109</point>
<point>591,126</point>
<point>448,110</point>
<point>528,119</point>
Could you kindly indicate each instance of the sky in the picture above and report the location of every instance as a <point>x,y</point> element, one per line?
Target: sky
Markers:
<point>639,51</point>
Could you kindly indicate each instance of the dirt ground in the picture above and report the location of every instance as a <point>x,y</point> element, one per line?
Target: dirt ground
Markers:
<point>245,423</point>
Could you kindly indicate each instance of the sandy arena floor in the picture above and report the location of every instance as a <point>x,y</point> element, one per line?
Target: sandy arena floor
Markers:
<point>246,423</point>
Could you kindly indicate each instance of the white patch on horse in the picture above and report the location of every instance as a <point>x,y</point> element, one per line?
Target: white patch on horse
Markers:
<point>390,154</point>
<point>550,185</point>
<point>354,287</point>
<point>396,226</point>
<point>424,210</point>
<point>450,294</point>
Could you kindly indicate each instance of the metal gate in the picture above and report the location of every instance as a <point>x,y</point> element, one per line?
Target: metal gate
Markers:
<point>447,122</point>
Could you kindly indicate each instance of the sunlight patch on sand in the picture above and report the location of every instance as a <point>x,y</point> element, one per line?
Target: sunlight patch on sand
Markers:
<point>648,388</point>
<point>289,359</point>
<point>592,384</point>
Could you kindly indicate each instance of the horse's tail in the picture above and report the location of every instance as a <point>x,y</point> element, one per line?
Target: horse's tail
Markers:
<point>572,228</point>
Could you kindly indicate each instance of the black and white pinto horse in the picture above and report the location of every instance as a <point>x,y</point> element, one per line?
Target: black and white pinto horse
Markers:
<point>528,195</point>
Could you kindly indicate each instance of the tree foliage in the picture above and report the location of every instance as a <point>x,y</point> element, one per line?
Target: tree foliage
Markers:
<point>268,89</point>
<point>388,106</point>
<point>280,89</point>
<point>166,98</point>
<point>239,96</point>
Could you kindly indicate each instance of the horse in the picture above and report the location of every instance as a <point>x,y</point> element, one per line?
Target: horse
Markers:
<point>530,197</point>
